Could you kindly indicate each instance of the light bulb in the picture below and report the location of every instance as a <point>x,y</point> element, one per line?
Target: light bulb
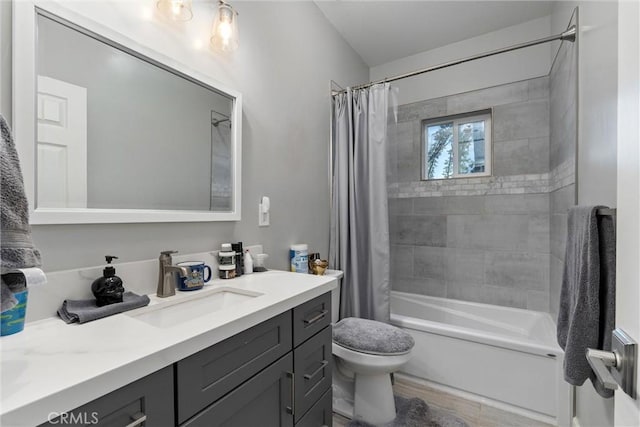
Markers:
<point>176,10</point>
<point>224,34</point>
<point>176,7</point>
<point>225,30</point>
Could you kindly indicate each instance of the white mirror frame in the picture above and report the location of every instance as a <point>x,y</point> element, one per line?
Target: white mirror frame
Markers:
<point>24,122</point>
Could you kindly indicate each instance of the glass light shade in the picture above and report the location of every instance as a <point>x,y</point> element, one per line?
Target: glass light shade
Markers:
<point>224,33</point>
<point>176,10</point>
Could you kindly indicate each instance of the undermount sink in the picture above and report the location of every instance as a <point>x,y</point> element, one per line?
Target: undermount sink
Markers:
<point>166,315</point>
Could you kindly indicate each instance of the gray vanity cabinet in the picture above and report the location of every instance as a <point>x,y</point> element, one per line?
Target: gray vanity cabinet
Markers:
<point>237,382</point>
<point>313,366</point>
<point>208,375</point>
<point>320,414</point>
<point>146,402</point>
<point>310,318</point>
<point>264,400</point>
<point>275,374</point>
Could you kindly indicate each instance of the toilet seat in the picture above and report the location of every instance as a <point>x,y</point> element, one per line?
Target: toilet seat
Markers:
<point>372,337</point>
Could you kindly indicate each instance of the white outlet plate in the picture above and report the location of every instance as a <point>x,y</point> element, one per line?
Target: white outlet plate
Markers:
<point>263,217</point>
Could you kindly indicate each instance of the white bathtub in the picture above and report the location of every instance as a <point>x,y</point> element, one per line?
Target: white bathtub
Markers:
<point>507,355</point>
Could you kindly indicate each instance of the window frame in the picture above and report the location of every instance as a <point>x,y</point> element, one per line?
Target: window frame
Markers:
<point>457,119</point>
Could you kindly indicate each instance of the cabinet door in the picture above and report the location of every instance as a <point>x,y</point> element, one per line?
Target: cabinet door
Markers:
<point>266,400</point>
<point>320,414</point>
<point>313,366</point>
<point>211,373</point>
<point>310,318</point>
<point>146,402</point>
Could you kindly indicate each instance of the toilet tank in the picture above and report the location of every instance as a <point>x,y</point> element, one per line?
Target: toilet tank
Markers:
<point>335,294</point>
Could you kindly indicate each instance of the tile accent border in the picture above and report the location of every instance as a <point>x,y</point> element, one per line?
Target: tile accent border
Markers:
<point>561,176</point>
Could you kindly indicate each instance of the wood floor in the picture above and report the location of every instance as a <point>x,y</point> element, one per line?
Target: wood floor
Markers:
<point>473,413</point>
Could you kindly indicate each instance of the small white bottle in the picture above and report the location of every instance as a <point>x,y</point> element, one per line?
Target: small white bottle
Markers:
<point>248,262</point>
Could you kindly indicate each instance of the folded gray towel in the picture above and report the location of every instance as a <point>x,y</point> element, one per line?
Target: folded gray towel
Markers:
<point>17,250</point>
<point>86,310</point>
<point>16,247</point>
<point>12,283</point>
<point>587,299</point>
<point>7,300</point>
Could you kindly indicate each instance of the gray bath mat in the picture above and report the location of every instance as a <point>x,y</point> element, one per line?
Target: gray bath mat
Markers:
<point>416,413</point>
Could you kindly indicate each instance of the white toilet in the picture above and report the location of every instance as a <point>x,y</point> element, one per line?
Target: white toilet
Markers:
<point>364,360</point>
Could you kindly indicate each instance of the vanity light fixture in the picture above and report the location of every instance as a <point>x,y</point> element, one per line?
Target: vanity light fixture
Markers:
<point>176,10</point>
<point>224,33</point>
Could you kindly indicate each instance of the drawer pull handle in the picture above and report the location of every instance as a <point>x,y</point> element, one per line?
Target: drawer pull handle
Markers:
<point>323,364</point>
<point>316,318</point>
<point>138,418</point>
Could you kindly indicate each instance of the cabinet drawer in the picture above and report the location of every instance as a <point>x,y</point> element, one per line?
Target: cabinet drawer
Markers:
<point>150,398</point>
<point>313,365</point>
<point>211,373</point>
<point>264,400</point>
<point>310,318</point>
<point>320,414</point>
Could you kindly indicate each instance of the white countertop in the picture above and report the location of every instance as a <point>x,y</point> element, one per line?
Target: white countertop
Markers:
<point>52,367</point>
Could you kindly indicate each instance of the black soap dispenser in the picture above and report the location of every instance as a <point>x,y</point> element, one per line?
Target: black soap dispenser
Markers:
<point>108,289</point>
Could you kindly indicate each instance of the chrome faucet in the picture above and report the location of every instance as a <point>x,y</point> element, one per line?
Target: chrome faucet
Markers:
<point>166,282</point>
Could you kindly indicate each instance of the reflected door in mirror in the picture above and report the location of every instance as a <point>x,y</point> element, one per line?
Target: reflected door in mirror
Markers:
<point>62,144</point>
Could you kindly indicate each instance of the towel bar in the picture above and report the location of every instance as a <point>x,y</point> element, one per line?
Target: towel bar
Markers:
<point>606,212</point>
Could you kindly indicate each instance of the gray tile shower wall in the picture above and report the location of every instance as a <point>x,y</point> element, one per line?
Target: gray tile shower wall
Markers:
<point>562,151</point>
<point>492,249</point>
<point>480,239</point>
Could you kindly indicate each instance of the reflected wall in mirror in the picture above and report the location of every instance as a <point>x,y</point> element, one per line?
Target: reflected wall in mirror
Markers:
<point>109,130</point>
<point>118,132</point>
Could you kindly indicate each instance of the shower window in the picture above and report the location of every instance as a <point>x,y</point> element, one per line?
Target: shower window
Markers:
<point>457,146</point>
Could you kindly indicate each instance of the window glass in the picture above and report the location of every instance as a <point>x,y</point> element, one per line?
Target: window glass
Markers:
<point>457,146</point>
<point>439,151</point>
<point>471,147</point>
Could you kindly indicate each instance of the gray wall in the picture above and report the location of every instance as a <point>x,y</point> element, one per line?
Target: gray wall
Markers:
<point>563,111</point>
<point>479,239</point>
<point>510,67</point>
<point>285,83</point>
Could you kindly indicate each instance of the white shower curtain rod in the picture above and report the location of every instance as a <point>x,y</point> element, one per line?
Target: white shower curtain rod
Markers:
<point>568,35</point>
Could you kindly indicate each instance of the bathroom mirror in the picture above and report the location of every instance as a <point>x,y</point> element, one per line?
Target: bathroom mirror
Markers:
<point>119,133</point>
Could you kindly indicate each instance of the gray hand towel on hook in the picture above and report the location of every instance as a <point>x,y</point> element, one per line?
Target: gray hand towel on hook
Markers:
<point>16,247</point>
<point>587,299</point>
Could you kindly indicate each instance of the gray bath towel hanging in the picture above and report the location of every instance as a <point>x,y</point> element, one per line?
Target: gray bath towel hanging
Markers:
<point>16,248</point>
<point>587,299</point>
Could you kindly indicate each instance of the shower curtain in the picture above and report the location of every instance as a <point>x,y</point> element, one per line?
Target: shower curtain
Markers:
<point>359,241</point>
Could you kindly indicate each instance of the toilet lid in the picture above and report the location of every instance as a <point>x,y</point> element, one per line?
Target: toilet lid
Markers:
<point>372,337</point>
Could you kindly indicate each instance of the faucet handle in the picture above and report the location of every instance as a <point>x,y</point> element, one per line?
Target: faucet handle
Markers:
<point>165,256</point>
